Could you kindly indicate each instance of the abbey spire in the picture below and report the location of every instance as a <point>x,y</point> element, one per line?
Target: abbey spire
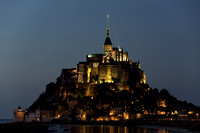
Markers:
<point>108,41</point>
<point>107,47</point>
<point>107,29</point>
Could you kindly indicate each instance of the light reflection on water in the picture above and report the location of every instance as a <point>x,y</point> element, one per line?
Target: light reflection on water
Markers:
<point>114,129</point>
<point>108,129</point>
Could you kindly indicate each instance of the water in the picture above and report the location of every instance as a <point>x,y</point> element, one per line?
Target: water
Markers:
<point>111,129</point>
<point>5,121</point>
<point>54,128</point>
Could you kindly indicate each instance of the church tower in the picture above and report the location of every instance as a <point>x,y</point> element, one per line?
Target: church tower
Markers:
<point>107,47</point>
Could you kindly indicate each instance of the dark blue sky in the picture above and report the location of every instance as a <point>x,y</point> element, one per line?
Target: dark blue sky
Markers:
<point>40,37</point>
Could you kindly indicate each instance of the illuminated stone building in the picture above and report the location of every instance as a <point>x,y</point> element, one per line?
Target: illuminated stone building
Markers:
<point>113,65</point>
<point>18,115</point>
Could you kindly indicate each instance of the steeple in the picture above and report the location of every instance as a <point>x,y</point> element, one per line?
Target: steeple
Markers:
<point>107,29</point>
<point>107,41</point>
<point>107,47</point>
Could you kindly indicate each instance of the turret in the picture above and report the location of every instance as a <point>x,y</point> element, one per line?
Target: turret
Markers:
<point>143,78</point>
<point>19,109</point>
<point>18,115</point>
<point>138,63</point>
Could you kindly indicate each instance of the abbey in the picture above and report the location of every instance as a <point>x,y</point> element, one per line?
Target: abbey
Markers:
<point>110,66</point>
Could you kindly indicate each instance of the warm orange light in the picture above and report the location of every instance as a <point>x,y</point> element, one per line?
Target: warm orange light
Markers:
<point>146,112</point>
<point>100,119</point>
<point>126,115</point>
<point>138,116</point>
<point>119,115</point>
<point>161,112</point>
<point>57,116</point>
<point>106,119</point>
<point>191,112</point>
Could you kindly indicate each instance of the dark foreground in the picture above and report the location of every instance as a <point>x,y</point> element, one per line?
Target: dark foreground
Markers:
<point>44,127</point>
<point>23,128</point>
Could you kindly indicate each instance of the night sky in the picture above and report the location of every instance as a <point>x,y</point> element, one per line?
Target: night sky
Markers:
<point>38,38</point>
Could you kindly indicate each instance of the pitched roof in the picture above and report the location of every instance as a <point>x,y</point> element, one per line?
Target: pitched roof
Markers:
<point>108,41</point>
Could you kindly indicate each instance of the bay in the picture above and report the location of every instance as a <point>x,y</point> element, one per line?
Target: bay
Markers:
<point>112,129</point>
